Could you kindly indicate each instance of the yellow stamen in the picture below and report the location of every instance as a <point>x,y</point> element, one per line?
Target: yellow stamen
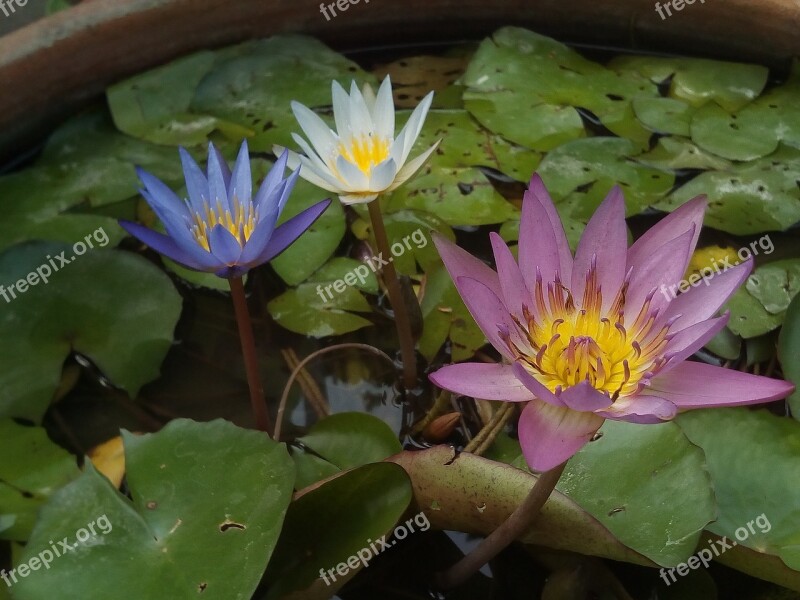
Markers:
<point>241,224</point>
<point>365,151</point>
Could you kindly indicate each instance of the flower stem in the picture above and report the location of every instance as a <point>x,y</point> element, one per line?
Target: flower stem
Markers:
<point>402,320</point>
<point>257,400</point>
<point>520,520</point>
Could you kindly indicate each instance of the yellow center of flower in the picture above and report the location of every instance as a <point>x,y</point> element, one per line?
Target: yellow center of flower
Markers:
<point>566,345</point>
<point>240,224</point>
<point>365,151</point>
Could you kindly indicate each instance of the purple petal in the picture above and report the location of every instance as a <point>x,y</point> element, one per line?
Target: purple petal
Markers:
<point>257,242</point>
<point>274,178</point>
<point>534,385</point>
<point>584,397</point>
<point>642,409</point>
<point>539,246</point>
<point>160,195</point>
<point>698,385</point>
<point>688,341</point>
<point>676,223</point>
<point>196,182</point>
<point>550,435</point>
<point>226,172</point>
<point>701,303</point>
<point>604,243</point>
<point>512,285</point>
<point>461,263</point>
<point>224,245</point>
<point>488,311</point>
<point>217,188</point>
<point>662,268</point>
<point>482,380</point>
<point>241,182</point>
<point>286,234</point>
<point>537,191</point>
<point>168,247</point>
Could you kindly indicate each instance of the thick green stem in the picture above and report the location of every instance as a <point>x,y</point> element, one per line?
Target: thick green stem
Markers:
<point>519,521</point>
<point>402,320</point>
<point>257,399</point>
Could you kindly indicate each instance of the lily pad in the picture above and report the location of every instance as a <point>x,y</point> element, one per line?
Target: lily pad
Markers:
<point>748,318</point>
<point>414,77</point>
<point>657,499</point>
<point>320,309</point>
<point>738,443</point>
<point>353,509</point>
<point>593,166</point>
<point>78,311</point>
<point>312,249</point>
<point>253,85</point>
<point>460,196</point>
<point>680,153</point>
<point>33,468</point>
<point>739,136</point>
<point>411,230</point>
<point>775,284</point>
<point>339,267</point>
<point>664,115</point>
<point>209,501</point>
<point>726,344</point>
<point>699,81</point>
<point>445,316</point>
<point>789,350</point>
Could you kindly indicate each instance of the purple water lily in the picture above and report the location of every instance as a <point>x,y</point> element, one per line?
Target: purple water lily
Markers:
<point>590,338</point>
<point>221,228</point>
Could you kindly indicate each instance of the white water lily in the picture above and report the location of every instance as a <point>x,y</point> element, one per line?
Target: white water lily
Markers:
<point>362,158</point>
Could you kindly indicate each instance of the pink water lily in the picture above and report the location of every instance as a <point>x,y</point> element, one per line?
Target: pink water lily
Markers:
<point>591,337</point>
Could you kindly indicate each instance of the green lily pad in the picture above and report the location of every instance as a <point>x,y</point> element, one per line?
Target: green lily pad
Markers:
<point>748,318</point>
<point>320,310</point>
<point>209,501</point>
<point>741,202</point>
<point>680,153</point>
<point>339,267</point>
<point>33,468</point>
<point>445,316</point>
<point>78,311</point>
<point>657,498</point>
<point>593,166</point>
<point>664,115</point>
<point>738,444</point>
<point>726,344</point>
<point>411,231</point>
<point>352,510</point>
<point>464,143</point>
<point>739,136</point>
<point>351,439</point>
<point>460,196</point>
<point>699,81</point>
<point>253,86</point>
<point>775,284</point>
<point>312,249</point>
<point>310,468</point>
<point>789,350</point>
<point>154,106</point>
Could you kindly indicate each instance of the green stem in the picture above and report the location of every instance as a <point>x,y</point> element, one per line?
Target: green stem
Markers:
<point>257,399</point>
<point>519,521</point>
<point>402,320</point>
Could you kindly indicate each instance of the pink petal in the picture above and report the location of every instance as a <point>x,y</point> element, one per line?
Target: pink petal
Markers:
<point>604,243</point>
<point>670,227</point>
<point>515,293</point>
<point>482,380</point>
<point>534,385</point>
<point>461,263</point>
<point>659,270</point>
<point>698,385</point>
<point>688,341</point>
<point>584,397</point>
<point>643,409</point>
<point>489,313</point>
<point>550,435</point>
<point>701,303</point>
<point>542,241</point>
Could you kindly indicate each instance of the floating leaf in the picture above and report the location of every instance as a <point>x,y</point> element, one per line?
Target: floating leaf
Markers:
<point>209,501</point>
<point>109,459</point>
<point>416,76</point>
<point>320,309</point>
<point>699,81</point>
<point>748,317</point>
<point>738,444</point>
<point>79,311</point>
<point>664,115</point>
<point>353,509</point>
<point>656,500</point>
<point>33,468</point>
<point>339,267</point>
<point>725,344</point>
<point>311,469</point>
<point>775,284</point>
<point>789,350</point>
<point>740,136</point>
<point>680,153</point>
<point>598,164</point>
<point>411,231</point>
<point>446,317</point>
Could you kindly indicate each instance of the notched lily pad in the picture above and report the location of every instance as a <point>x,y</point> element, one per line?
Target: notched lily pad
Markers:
<point>321,309</point>
<point>680,153</point>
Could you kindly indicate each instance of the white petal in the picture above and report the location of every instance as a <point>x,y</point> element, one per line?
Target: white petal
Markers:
<point>408,170</point>
<point>310,153</point>
<point>383,111</point>
<point>341,110</point>
<point>369,97</point>
<point>317,132</point>
<point>357,198</point>
<point>360,118</point>
<point>322,179</point>
<point>353,178</point>
<point>414,125</point>
<point>382,175</point>
<point>398,149</point>
<point>293,161</point>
